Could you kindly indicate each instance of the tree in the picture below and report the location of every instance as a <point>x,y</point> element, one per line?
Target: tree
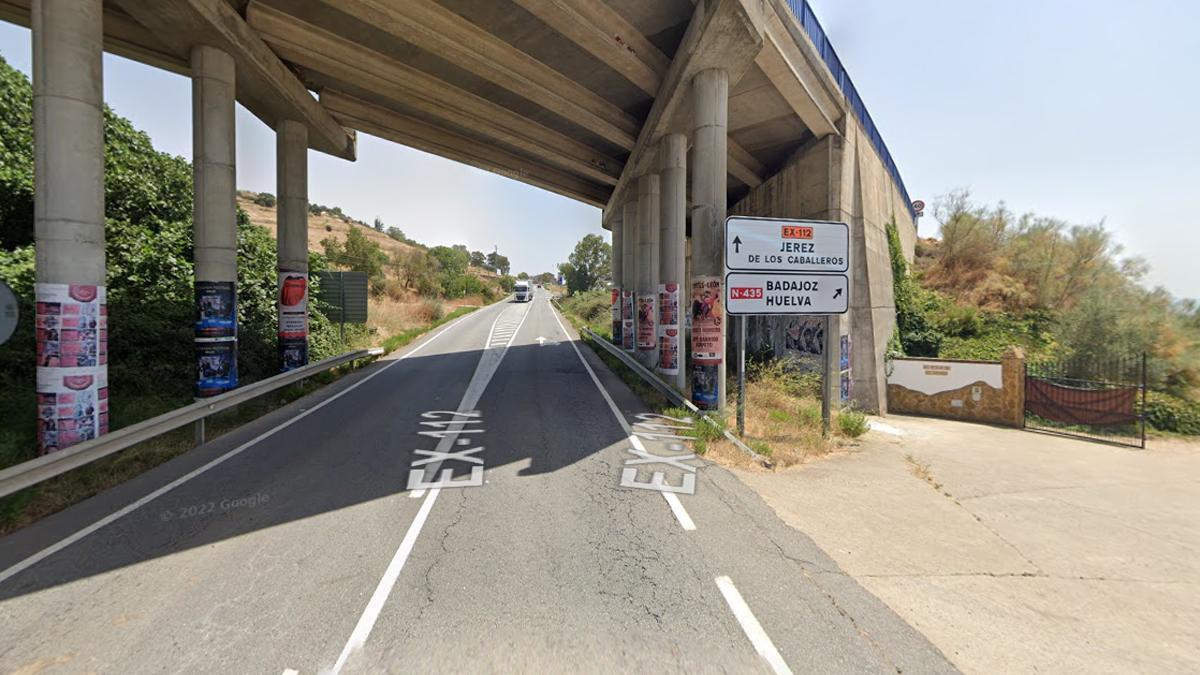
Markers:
<point>358,254</point>
<point>452,260</point>
<point>588,266</point>
<point>478,259</point>
<point>378,224</point>
<point>396,233</point>
<point>523,275</point>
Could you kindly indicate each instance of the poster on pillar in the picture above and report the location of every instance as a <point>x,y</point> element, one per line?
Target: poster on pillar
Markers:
<point>72,406</point>
<point>616,316</point>
<point>708,333</point>
<point>647,336</point>
<point>627,323</point>
<point>216,366</point>
<point>293,320</point>
<point>216,309</point>
<point>71,334</point>
<point>668,329</point>
<point>708,341</point>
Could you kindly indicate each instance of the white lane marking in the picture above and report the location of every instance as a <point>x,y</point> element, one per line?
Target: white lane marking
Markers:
<point>120,513</point>
<point>366,622</point>
<point>681,514</point>
<point>750,626</point>
<point>291,671</point>
<point>489,362</point>
<point>677,508</point>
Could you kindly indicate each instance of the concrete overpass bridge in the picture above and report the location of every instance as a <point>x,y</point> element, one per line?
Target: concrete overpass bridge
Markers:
<point>668,115</point>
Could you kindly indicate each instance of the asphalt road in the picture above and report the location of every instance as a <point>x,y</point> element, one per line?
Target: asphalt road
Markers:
<point>317,539</point>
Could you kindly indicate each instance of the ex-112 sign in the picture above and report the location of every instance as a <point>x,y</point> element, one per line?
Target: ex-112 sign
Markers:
<point>758,293</point>
<point>778,245</point>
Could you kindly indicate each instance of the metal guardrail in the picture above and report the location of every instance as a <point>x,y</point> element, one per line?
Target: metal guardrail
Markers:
<point>670,392</point>
<point>34,471</point>
<point>808,20</point>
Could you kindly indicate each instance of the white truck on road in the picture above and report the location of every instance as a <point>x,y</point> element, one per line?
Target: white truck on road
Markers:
<point>524,291</point>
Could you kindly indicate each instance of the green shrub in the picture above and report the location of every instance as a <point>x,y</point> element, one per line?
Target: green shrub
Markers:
<point>852,423</point>
<point>1169,413</point>
<point>265,199</point>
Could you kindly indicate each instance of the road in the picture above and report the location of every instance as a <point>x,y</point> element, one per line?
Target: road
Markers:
<point>313,540</point>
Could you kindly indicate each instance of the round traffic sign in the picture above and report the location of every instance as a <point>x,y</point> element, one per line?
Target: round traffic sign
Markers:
<point>919,207</point>
<point>8,312</point>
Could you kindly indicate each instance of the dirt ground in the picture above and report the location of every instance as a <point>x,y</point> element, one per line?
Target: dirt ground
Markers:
<point>1013,551</point>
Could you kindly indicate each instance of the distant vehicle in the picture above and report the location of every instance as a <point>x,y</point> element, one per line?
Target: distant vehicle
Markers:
<point>523,291</point>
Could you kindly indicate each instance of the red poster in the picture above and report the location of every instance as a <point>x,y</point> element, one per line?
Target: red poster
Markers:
<point>647,338</point>
<point>708,334</point>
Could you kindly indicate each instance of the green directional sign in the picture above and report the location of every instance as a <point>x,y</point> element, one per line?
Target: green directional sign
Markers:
<point>343,296</point>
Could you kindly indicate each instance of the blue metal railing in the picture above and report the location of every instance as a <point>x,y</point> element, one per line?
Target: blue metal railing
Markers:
<point>808,20</point>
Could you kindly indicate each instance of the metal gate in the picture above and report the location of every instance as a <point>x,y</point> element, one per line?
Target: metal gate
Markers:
<point>1103,401</point>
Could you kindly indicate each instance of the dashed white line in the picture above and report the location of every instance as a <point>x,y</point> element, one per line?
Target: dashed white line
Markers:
<point>126,510</point>
<point>681,514</point>
<point>751,627</point>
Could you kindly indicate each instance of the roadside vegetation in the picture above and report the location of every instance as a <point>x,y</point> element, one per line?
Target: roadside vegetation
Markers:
<point>148,247</point>
<point>1062,292</point>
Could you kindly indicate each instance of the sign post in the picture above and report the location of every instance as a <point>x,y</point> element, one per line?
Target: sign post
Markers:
<point>784,267</point>
<point>741,403</point>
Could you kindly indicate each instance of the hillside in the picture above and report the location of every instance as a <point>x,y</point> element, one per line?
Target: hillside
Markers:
<point>412,285</point>
<point>327,225</point>
<point>1063,292</point>
<point>320,226</point>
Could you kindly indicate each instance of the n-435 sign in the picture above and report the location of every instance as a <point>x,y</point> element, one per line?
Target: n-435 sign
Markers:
<point>777,245</point>
<point>760,293</point>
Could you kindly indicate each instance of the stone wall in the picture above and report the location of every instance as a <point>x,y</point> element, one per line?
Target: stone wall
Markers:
<point>975,391</point>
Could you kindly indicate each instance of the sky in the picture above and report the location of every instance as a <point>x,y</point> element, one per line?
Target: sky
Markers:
<point>1082,110</point>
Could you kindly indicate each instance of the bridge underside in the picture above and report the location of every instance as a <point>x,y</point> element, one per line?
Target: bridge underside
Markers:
<point>663,114</point>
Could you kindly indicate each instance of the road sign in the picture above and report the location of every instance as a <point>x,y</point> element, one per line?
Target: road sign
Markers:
<point>778,245</point>
<point>758,293</point>
<point>919,208</point>
<point>343,296</point>
<point>8,312</point>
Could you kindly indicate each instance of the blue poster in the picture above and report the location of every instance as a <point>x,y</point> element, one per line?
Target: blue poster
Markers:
<point>216,366</point>
<point>216,309</point>
<point>844,363</point>
<point>705,385</point>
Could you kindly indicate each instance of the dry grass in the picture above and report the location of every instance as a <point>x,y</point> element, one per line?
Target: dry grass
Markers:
<point>923,471</point>
<point>322,226</point>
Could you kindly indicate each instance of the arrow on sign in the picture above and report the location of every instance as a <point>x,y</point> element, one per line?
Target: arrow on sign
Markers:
<point>837,293</point>
<point>737,244</point>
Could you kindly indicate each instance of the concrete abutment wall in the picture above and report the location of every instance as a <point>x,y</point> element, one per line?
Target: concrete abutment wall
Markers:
<point>840,178</point>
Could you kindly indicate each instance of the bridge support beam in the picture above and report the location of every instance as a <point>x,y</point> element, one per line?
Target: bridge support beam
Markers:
<point>214,219</point>
<point>710,123</point>
<point>291,176</point>
<point>68,124</point>
<point>629,270</point>
<point>673,186</point>
<point>648,269</point>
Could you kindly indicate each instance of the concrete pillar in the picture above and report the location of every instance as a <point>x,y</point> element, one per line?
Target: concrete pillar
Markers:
<point>291,216</point>
<point>710,121</point>
<point>673,233</point>
<point>68,133</point>
<point>214,219</point>
<point>647,287</point>
<point>618,265</point>
<point>629,266</point>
